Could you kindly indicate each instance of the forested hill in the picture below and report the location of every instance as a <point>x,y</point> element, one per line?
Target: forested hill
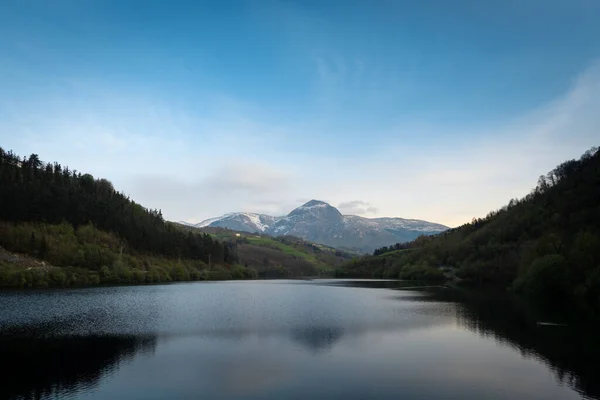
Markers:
<point>546,244</point>
<point>74,220</point>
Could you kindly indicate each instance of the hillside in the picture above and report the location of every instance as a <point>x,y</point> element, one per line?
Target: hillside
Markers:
<point>319,222</point>
<point>88,233</point>
<point>546,244</point>
<point>277,257</point>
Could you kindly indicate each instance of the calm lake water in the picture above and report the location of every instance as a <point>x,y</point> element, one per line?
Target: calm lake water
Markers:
<point>287,339</point>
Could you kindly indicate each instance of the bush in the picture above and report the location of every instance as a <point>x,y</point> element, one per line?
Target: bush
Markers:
<point>546,277</point>
<point>219,275</point>
<point>58,277</point>
<point>88,256</point>
<point>422,272</point>
<point>96,256</point>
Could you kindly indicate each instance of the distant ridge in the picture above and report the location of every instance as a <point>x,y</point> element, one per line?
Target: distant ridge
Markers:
<point>320,222</point>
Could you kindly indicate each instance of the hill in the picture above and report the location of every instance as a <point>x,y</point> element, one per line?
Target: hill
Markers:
<point>546,244</point>
<point>319,222</point>
<point>279,257</point>
<point>86,232</point>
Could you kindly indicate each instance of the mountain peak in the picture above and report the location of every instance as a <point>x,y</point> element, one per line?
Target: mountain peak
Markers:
<point>315,203</point>
<point>316,209</point>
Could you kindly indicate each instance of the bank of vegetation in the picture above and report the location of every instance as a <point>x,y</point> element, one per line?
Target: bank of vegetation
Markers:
<point>59,227</point>
<point>281,257</point>
<point>546,245</point>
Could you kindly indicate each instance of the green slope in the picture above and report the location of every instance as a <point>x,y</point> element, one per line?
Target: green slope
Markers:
<point>88,233</point>
<point>285,256</point>
<point>546,244</point>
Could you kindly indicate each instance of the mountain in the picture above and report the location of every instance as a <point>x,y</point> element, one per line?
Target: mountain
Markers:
<point>322,223</point>
<point>244,222</point>
<point>546,244</point>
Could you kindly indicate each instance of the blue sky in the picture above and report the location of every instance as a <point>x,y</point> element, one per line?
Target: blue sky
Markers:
<point>425,109</point>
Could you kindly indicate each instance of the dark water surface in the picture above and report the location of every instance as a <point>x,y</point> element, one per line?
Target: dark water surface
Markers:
<point>287,339</point>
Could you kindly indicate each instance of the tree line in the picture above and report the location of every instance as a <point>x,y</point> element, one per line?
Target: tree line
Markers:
<point>34,191</point>
<point>90,233</point>
<point>389,249</point>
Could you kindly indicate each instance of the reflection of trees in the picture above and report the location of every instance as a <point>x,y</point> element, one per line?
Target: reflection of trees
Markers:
<point>317,338</point>
<point>36,367</point>
<point>571,352</point>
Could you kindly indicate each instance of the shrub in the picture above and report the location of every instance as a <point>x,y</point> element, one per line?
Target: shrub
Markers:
<point>546,277</point>
<point>422,272</point>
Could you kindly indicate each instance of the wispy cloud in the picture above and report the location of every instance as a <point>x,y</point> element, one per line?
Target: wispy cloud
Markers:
<point>236,187</point>
<point>357,207</point>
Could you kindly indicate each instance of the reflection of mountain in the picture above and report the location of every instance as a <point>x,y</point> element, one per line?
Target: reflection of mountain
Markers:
<point>317,338</point>
<point>34,367</point>
<point>572,352</point>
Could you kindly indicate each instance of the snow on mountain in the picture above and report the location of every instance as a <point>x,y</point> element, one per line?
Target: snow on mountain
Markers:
<point>185,223</point>
<point>319,222</point>
<point>395,223</point>
<point>262,222</point>
<point>311,205</point>
<point>209,221</point>
<point>242,221</point>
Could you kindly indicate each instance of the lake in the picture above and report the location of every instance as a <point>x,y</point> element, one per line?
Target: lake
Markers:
<point>287,339</point>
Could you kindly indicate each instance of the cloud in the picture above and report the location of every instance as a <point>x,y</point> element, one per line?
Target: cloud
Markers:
<point>250,179</point>
<point>238,186</point>
<point>357,207</point>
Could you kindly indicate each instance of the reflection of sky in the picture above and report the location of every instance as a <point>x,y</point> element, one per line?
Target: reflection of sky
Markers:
<point>226,309</point>
<point>441,361</point>
<point>273,340</point>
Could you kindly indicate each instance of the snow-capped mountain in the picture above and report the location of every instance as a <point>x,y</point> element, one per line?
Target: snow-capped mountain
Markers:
<point>319,222</point>
<point>242,221</point>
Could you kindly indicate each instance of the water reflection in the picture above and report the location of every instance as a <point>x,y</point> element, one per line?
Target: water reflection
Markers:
<point>317,339</point>
<point>572,352</point>
<point>269,341</point>
<point>61,366</point>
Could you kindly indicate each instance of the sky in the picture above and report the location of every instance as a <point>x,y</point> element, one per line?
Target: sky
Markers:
<point>432,109</point>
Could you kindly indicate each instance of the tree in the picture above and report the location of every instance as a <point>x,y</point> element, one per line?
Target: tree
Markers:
<point>32,244</point>
<point>34,162</point>
<point>43,249</point>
